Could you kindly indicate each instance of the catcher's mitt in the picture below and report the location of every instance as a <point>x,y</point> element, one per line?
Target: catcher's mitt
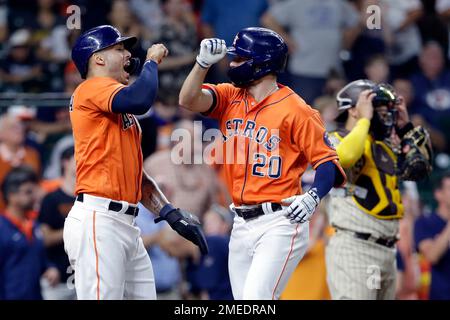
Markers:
<point>415,160</point>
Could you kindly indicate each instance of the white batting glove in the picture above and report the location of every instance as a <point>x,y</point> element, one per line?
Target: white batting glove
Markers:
<point>212,50</point>
<point>301,207</point>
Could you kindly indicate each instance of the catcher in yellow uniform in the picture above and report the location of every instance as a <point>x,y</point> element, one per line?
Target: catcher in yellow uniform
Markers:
<point>361,256</point>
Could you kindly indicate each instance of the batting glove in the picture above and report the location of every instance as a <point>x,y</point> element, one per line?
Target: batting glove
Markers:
<point>301,207</point>
<point>212,50</point>
<point>185,224</point>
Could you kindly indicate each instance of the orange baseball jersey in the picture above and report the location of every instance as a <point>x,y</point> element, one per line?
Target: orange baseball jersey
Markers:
<point>107,145</point>
<point>276,138</point>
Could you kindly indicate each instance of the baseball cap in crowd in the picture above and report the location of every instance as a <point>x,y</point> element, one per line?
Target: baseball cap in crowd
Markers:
<point>19,38</point>
<point>22,112</point>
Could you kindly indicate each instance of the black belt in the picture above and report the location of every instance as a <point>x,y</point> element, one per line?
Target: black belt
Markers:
<point>256,211</point>
<point>115,206</point>
<point>387,242</point>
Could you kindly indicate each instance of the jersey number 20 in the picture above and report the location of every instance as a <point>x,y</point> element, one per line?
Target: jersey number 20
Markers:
<point>259,167</point>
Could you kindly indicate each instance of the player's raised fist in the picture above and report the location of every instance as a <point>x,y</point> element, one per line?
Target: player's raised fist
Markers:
<point>157,52</point>
<point>212,50</point>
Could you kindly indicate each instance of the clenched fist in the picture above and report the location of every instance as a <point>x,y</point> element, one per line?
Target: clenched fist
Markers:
<point>212,50</point>
<point>157,52</point>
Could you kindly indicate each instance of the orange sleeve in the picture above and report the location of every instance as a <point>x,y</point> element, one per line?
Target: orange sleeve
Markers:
<point>102,91</point>
<point>222,95</point>
<point>312,139</point>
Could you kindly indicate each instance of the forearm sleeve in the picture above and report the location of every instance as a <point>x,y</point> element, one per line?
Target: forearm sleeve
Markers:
<point>351,148</point>
<point>138,97</point>
<point>324,178</point>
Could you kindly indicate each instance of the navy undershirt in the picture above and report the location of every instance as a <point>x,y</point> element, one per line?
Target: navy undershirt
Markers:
<point>324,178</point>
<point>138,97</point>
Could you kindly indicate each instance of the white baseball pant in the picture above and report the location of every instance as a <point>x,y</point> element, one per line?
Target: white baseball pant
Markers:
<point>263,254</point>
<point>107,253</point>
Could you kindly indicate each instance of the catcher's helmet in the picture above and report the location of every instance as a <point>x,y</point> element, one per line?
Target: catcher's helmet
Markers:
<point>348,96</point>
<point>97,39</point>
<point>385,96</point>
<point>264,50</point>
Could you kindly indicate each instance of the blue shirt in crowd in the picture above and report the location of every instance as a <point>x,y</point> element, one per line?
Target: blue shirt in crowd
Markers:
<point>22,262</point>
<point>212,272</point>
<point>166,269</point>
<point>428,227</point>
<point>227,18</point>
<point>432,99</point>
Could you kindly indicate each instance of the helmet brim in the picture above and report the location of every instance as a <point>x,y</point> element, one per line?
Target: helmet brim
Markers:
<point>232,51</point>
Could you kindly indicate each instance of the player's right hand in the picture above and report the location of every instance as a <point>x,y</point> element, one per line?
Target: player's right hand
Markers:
<point>364,104</point>
<point>301,207</point>
<point>212,50</point>
<point>187,226</point>
<point>157,52</point>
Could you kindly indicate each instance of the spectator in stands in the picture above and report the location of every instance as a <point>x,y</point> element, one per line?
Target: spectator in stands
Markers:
<point>19,70</point>
<point>443,9</point>
<point>13,151</point>
<point>22,254</point>
<point>209,278</point>
<point>150,14</point>
<point>377,69</point>
<point>404,45</point>
<point>53,123</point>
<point>224,19</point>
<point>54,209</point>
<point>318,31</point>
<point>364,42</point>
<point>328,111</point>
<point>179,34</point>
<point>405,89</point>
<point>432,237</point>
<point>53,170</point>
<point>3,25</point>
<point>334,83</point>
<point>121,17</point>
<point>190,186</point>
<point>166,250</point>
<point>432,92</point>
<point>50,33</point>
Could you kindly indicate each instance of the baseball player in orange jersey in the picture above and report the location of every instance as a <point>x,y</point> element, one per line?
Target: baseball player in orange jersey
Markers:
<point>282,135</point>
<point>100,237</point>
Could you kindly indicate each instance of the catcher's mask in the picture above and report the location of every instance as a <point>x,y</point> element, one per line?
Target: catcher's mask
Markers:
<point>385,111</point>
<point>384,104</point>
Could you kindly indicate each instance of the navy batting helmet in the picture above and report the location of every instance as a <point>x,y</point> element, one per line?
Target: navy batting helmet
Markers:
<point>97,39</point>
<point>264,52</point>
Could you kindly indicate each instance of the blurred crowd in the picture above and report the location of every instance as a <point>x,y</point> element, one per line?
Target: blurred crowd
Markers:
<point>330,44</point>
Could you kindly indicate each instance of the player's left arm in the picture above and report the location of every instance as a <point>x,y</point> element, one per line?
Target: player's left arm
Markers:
<point>184,223</point>
<point>138,97</point>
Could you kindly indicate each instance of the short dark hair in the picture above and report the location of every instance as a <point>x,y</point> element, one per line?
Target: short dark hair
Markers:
<point>67,154</point>
<point>440,181</point>
<point>15,179</point>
